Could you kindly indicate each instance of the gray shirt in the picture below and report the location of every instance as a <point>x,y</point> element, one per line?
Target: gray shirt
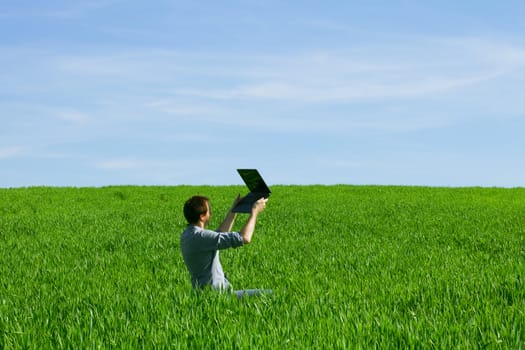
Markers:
<point>200,250</point>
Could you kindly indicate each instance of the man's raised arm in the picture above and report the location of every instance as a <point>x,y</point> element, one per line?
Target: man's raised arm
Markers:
<point>249,227</point>
<point>229,220</point>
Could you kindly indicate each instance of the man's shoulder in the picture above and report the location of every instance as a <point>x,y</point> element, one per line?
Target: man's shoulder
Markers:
<point>191,228</point>
<point>196,231</point>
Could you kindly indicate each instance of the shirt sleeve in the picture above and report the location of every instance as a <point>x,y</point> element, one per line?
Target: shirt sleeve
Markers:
<point>229,240</point>
<point>221,240</point>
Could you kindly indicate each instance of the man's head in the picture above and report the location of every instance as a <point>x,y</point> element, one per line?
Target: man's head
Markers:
<point>197,209</point>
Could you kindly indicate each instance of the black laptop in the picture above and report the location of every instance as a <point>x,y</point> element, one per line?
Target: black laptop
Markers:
<point>257,187</point>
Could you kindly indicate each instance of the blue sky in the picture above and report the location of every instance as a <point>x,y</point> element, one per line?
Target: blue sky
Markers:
<point>114,92</point>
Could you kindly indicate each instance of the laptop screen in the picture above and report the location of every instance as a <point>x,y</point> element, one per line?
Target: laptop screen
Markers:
<point>253,180</point>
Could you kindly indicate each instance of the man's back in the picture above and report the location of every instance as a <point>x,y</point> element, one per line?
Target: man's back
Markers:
<point>200,252</point>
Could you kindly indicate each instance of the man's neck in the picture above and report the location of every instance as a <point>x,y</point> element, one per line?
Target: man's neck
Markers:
<point>200,224</point>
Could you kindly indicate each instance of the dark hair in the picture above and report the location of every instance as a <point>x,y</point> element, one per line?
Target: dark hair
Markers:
<point>194,208</point>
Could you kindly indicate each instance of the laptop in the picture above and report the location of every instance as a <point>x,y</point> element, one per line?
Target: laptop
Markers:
<point>257,187</point>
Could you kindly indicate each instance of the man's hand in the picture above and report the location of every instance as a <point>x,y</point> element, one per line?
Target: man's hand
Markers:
<point>259,206</point>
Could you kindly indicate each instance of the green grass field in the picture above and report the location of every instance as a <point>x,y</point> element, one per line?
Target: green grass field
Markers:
<point>350,267</point>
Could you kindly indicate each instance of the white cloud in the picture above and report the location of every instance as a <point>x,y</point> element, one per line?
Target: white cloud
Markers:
<point>182,108</point>
<point>59,10</point>
<point>72,116</point>
<point>410,68</point>
<point>397,71</point>
<point>32,151</point>
<point>272,91</point>
<point>11,152</point>
<point>308,91</point>
<point>120,164</point>
<point>179,170</point>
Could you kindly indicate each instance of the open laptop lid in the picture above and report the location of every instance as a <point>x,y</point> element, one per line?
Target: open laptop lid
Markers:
<point>257,187</point>
<point>254,180</point>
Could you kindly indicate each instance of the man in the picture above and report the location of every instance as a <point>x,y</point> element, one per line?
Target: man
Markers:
<point>200,246</point>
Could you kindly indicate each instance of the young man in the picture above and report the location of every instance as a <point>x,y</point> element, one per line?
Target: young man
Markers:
<point>200,246</point>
